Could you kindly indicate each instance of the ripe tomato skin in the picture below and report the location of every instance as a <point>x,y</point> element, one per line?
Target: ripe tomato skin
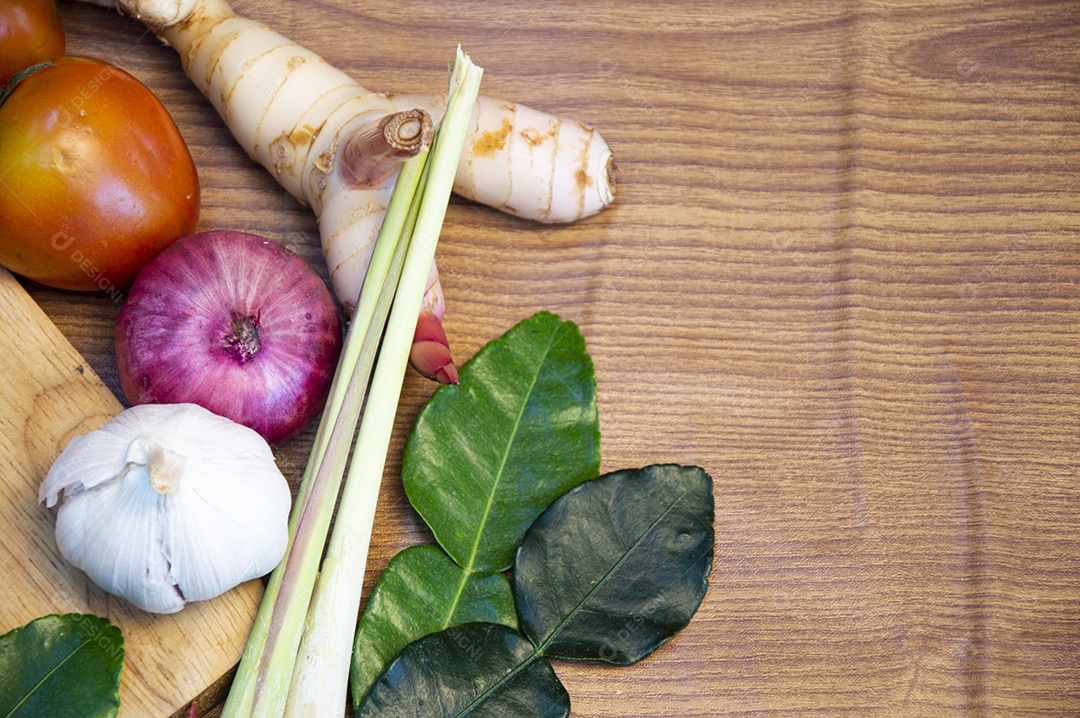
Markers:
<point>95,178</point>
<point>30,32</point>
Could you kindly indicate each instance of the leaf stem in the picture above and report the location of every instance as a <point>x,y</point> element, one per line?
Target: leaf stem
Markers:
<point>6,90</point>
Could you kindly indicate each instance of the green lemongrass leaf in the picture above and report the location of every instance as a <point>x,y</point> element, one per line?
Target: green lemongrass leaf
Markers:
<point>618,565</point>
<point>480,670</point>
<point>320,674</point>
<point>487,456</point>
<point>61,665</point>
<point>422,591</point>
<point>262,677</point>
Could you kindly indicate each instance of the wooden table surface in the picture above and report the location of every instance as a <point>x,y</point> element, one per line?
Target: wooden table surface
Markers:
<point>842,275</point>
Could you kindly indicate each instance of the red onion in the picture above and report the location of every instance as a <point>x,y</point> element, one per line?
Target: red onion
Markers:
<point>235,323</point>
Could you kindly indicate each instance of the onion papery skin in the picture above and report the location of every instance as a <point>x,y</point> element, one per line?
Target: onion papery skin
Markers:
<point>176,343</point>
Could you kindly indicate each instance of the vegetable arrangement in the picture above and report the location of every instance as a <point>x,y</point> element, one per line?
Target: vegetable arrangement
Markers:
<point>224,346</point>
<point>502,468</point>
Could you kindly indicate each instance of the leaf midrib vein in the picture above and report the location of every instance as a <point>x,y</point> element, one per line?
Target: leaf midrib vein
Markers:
<point>457,599</point>
<point>599,584</point>
<point>46,677</point>
<point>506,455</point>
<point>538,651</point>
<point>535,656</point>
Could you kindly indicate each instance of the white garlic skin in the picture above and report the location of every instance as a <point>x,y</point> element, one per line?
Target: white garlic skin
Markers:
<point>169,503</point>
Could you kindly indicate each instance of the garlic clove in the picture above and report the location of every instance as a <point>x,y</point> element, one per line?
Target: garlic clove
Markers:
<point>92,459</point>
<point>113,536</point>
<point>169,503</point>
<point>214,539</point>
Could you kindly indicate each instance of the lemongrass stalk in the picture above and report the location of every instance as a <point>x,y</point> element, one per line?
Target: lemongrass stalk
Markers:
<point>320,679</point>
<point>261,682</point>
<point>392,229</point>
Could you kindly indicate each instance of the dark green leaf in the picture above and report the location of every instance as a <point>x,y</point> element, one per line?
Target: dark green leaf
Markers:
<point>618,565</point>
<point>422,591</point>
<point>480,670</point>
<point>487,456</point>
<point>61,666</point>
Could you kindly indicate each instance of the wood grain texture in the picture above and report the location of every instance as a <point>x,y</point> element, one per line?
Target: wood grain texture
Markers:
<point>49,396</point>
<point>842,275</point>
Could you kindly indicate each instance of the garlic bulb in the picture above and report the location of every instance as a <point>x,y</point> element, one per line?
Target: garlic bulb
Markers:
<point>169,503</point>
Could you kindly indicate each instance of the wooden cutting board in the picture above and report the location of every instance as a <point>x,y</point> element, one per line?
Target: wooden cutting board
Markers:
<point>50,395</point>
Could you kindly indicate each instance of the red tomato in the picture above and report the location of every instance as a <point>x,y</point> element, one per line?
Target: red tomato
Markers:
<point>30,32</point>
<point>95,179</point>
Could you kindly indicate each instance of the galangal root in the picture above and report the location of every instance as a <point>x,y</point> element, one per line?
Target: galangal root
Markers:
<point>335,145</point>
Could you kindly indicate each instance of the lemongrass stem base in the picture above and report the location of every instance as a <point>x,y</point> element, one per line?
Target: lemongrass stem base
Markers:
<point>374,152</point>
